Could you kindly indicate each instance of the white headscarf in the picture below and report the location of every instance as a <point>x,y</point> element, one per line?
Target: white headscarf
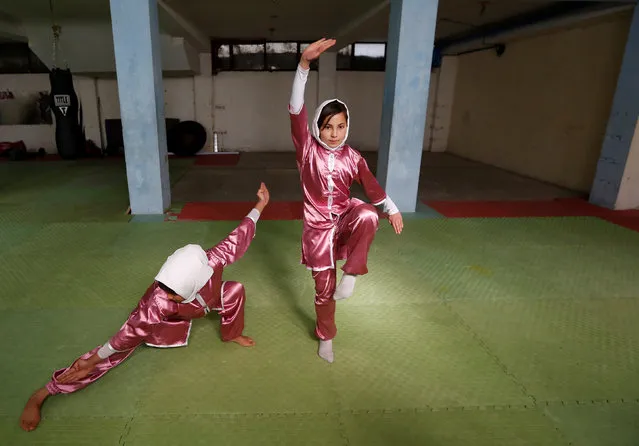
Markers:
<point>186,271</point>
<point>315,129</point>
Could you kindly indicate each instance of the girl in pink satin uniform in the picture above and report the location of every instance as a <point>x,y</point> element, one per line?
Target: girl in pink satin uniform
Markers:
<point>189,285</point>
<point>336,226</point>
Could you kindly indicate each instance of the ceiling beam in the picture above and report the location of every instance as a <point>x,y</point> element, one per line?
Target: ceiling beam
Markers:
<point>175,24</point>
<point>558,14</point>
<point>11,28</point>
<point>351,32</point>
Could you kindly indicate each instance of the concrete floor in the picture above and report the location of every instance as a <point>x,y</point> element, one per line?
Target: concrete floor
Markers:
<point>443,177</point>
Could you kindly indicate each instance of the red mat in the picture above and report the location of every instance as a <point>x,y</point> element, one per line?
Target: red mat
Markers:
<point>561,207</point>
<point>48,157</point>
<point>219,159</point>
<point>627,219</point>
<point>206,211</point>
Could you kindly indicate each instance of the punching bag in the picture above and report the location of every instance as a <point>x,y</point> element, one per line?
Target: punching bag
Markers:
<point>69,135</point>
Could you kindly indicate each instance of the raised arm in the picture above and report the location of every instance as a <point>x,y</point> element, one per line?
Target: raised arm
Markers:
<point>298,114</point>
<point>235,245</point>
<point>296,108</point>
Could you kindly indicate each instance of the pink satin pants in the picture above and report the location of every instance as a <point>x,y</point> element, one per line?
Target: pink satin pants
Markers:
<point>353,238</point>
<point>231,321</point>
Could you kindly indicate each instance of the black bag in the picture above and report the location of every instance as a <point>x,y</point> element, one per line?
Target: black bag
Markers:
<point>69,135</point>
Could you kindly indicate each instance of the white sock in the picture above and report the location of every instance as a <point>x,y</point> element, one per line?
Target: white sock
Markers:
<point>345,288</point>
<point>326,350</point>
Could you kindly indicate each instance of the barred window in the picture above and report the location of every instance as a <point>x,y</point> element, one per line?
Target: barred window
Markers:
<point>284,56</point>
<point>281,55</point>
<point>248,57</point>
<point>362,57</point>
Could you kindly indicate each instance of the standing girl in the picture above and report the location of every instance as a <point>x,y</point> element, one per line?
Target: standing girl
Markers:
<point>336,226</point>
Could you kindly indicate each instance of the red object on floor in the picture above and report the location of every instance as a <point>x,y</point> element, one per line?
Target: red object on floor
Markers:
<point>218,159</point>
<point>628,219</point>
<point>208,211</point>
<point>6,146</point>
<point>34,158</point>
<point>49,157</point>
<point>561,207</point>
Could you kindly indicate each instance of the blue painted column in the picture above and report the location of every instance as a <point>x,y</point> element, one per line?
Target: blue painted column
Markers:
<point>136,40</point>
<point>409,53</point>
<point>613,162</point>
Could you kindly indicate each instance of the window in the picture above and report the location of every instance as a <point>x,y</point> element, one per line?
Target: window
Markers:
<point>281,55</point>
<point>223,56</point>
<point>248,56</point>
<point>284,56</point>
<point>369,57</point>
<point>362,57</point>
<point>344,58</point>
<point>254,56</point>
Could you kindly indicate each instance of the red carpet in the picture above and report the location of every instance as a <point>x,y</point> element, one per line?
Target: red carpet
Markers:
<point>561,207</point>
<point>627,219</point>
<point>48,157</point>
<point>276,210</point>
<point>219,159</point>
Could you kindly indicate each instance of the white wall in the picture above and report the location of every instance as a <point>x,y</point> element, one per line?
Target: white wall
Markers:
<point>248,109</point>
<point>20,86</point>
<point>251,108</point>
<point>363,93</point>
<point>179,99</point>
<point>87,47</point>
<point>628,197</point>
<point>442,104</point>
<point>541,109</point>
<point>36,136</point>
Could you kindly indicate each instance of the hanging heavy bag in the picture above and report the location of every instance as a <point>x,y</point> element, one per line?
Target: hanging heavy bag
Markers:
<point>64,103</point>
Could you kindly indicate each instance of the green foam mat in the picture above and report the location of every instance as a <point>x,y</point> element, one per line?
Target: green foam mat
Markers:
<point>455,427</point>
<point>567,350</point>
<point>67,431</point>
<point>599,423</point>
<point>466,331</point>
<point>280,429</point>
<point>70,191</point>
<point>414,356</point>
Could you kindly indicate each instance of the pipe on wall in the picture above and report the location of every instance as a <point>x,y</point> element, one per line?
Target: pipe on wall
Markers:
<point>496,34</point>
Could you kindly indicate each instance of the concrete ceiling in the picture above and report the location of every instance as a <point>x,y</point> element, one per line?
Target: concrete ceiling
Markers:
<point>284,19</point>
<point>63,9</point>
<point>311,19</point>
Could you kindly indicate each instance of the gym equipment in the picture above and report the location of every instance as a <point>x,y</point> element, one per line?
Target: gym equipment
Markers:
<point>186,138</point>
<point>69,136</point>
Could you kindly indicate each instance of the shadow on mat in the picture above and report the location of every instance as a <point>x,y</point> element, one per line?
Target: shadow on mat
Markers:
<point>277,268</point>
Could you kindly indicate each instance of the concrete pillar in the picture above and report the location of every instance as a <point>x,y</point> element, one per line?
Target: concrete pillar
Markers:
<point>411,38</point>
<point>136,41</point>
<point>616,183</point>
<point>628,196</point>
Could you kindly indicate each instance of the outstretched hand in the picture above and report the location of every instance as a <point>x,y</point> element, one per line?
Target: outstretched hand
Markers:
<point>397,222</point>
<point>314,50</point>
<point>263,196</point>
